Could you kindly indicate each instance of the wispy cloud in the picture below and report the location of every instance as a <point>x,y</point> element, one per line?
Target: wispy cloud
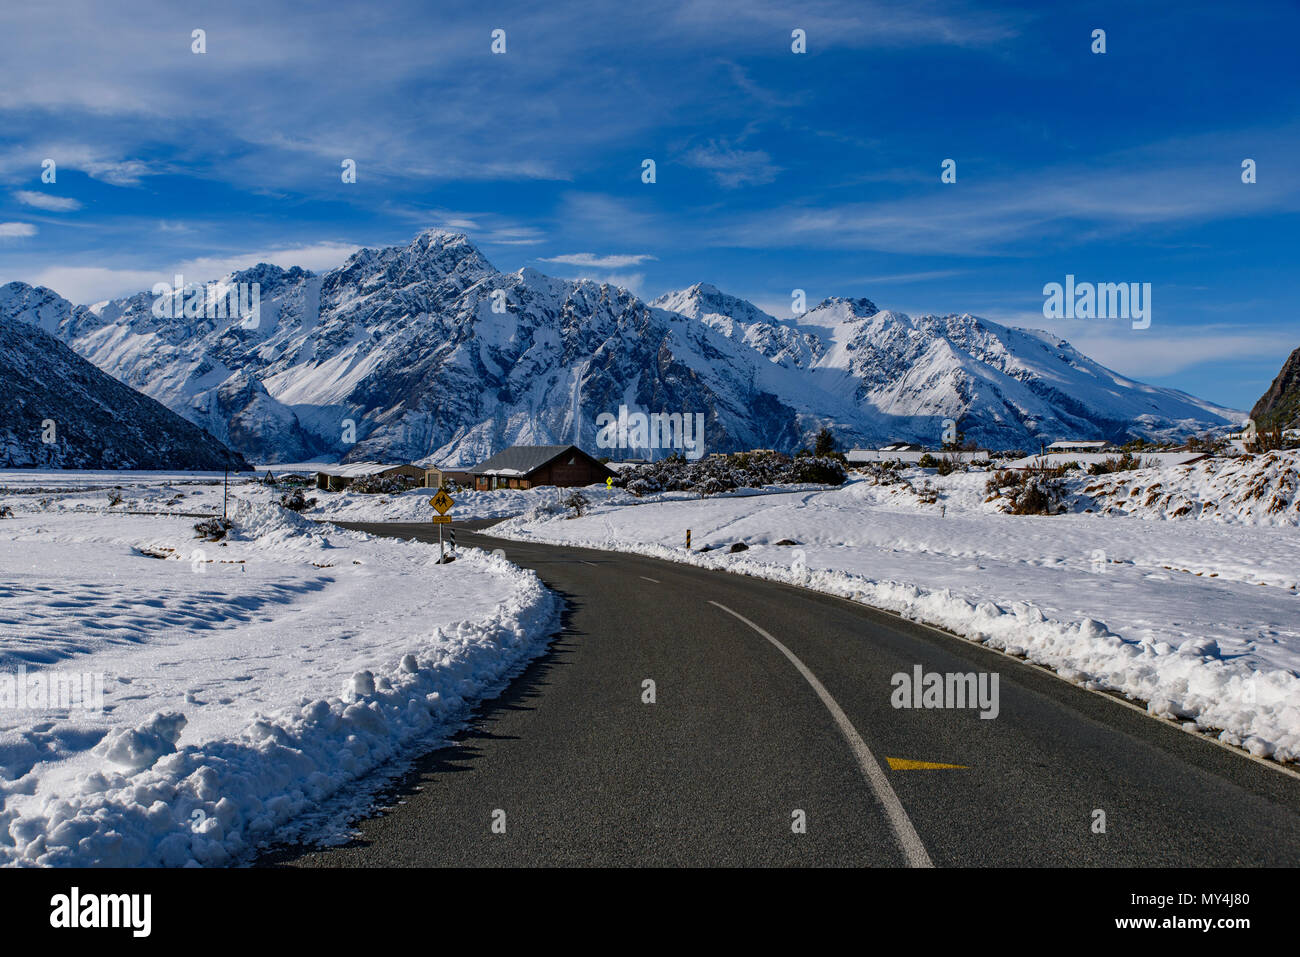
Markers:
<point>16,230</point>
<point>1137,191</point>
<point>866,23</point>
<point>592,261</point>
<point>903,277</point>
<point>732,167</point>
<point>56,204</point>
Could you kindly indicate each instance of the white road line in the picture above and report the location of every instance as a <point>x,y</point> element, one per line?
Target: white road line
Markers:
<point>585,562</point>
<point>655,580</point>
<point>908,839</point>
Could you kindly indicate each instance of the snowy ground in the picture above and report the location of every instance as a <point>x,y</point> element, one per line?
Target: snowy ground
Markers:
<point>244,683</point>
<point>1200,620</point>
<point>28,492</point>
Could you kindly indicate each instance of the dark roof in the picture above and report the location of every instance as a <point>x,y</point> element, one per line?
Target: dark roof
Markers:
<point>525,458</point>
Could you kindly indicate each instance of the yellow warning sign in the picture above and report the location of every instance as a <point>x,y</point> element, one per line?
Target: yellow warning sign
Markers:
<point>442,502</point>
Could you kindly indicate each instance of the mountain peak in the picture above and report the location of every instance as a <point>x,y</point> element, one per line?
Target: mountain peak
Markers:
<point>860,307</point>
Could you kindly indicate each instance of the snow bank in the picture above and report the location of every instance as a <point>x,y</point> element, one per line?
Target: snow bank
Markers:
<point>210,774</point>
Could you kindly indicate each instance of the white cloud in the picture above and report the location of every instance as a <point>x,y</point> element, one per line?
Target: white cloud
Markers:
<point>1156,352</point>
<point>592,261</point>
<point>86,284</point>
<point>56,204</point>
<point>317,258</point>
<point>16,230</point>
<point>98,161</point>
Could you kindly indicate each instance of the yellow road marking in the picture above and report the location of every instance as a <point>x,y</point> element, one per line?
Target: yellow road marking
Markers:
<point>902,764</point>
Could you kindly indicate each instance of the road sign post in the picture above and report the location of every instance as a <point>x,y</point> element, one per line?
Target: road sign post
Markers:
<point>442,503</point>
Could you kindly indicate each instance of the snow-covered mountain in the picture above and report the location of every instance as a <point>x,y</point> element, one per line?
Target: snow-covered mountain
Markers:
<point>427,352</point>
<point>881,375</point>
<point>59,411</point>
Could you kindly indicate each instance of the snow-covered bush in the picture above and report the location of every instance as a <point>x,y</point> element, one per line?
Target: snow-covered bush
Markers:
<point>1038,492</point>
<point>375,484</point>
<point>927,494</point>
<point>882,473</point>
<point>295,501</point>
<point>213,529</point>
<point>722,473</point>
<point>1125,462</point>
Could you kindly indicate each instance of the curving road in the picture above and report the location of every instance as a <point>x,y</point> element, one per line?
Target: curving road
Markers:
<point>772,700</point>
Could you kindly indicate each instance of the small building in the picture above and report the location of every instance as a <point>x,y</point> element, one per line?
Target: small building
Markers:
<point>1034,463</point>
<point>1078,445</point>
<point>909,453</point>
<point>441,478</point>
<point>528,466</point>
<point>335,478</point>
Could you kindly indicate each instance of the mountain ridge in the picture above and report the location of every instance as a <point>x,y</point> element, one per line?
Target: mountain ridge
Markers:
<point>57,410</point>
<point>1279,406</point>
<point>426,352</point>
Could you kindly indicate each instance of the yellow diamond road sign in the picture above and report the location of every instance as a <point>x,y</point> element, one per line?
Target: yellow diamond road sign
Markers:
<point>442,502</point>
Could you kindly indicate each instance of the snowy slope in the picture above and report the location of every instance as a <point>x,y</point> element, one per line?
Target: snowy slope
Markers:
<point>399,354</point>
<point>1262,489</point>
<point>59,411</point>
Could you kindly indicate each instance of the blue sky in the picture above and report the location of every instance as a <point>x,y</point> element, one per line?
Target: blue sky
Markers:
<point>775,170</point>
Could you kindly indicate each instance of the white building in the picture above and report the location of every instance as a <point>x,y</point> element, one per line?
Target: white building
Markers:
<point>910,454</point>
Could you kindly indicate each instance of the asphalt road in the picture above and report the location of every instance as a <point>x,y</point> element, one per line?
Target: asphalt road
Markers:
<point>772,700</point>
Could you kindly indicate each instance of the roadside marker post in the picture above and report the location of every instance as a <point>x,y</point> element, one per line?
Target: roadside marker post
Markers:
<point>688,539</point>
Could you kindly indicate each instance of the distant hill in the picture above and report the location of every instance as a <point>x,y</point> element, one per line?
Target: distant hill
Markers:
<point>91,421</point>
<point>1279,407</point>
